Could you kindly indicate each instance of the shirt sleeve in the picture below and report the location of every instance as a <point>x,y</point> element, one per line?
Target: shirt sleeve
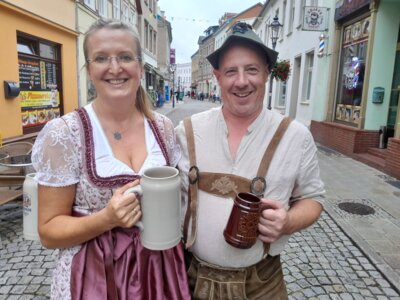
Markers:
<point>308,183</point>
<point>173,148</point>
<point>55,155</point>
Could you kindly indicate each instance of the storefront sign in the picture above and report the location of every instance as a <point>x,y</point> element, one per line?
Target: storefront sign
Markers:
<point>40,99</point>
<point>347,7</point>
<point>315,18</point>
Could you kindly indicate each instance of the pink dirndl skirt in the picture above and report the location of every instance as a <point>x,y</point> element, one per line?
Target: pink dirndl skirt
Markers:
<point>115,265</point>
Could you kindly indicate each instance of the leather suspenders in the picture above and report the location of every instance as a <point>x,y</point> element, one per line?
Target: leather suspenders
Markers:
<point>222,184</point>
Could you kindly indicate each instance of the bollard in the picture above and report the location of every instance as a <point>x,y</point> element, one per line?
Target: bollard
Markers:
<point>30,208</point>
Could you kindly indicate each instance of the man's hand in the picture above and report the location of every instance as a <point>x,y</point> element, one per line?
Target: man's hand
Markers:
<point>273,220</point>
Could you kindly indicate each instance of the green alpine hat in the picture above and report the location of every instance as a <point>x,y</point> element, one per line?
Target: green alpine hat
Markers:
<point>243,32</point>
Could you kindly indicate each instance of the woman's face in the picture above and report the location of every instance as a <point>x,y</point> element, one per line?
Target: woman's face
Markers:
<point>113,65</point>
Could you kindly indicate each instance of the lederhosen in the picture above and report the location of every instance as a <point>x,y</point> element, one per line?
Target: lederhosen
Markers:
<point>263,280</point>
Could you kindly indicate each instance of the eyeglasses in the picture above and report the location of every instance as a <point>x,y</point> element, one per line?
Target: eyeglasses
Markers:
<point>124,59</point>
<point>241,27</point>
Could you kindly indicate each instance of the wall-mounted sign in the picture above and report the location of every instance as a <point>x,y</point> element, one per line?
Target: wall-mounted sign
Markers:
<point>315,18</point>
<point>345,8</point>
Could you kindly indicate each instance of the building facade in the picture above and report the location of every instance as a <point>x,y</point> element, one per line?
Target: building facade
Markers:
<point>163,55</point>
<point>364,85</point>
<point>183,77</point>
<point>40,80</point>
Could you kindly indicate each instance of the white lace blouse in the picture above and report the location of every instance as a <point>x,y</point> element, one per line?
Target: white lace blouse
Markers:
<point>73,149</point>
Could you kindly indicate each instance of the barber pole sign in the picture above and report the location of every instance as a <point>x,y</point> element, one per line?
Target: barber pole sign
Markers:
<point>321,46</point>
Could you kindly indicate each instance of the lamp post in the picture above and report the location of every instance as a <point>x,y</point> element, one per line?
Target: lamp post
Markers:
<point>172,69</point>
<point>275,28</point>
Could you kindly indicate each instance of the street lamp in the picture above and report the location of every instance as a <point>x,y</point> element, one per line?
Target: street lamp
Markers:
<point>275,29</point>
<point>172,69</point>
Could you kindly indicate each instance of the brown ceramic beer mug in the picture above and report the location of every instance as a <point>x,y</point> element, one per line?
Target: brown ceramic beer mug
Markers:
<point>242,228</point>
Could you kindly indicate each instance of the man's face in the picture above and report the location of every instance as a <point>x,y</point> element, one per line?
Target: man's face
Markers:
<point>242,75</point>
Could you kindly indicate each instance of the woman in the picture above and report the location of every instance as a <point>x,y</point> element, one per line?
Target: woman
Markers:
<point>86,160</point>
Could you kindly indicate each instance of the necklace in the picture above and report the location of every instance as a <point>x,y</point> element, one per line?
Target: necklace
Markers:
<point>116,134</point>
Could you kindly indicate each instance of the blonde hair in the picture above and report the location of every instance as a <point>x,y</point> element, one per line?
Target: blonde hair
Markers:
<point>142,102</point>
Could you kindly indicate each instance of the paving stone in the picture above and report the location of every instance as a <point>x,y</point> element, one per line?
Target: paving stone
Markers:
<point>5,289</point>
<point>18,289</point>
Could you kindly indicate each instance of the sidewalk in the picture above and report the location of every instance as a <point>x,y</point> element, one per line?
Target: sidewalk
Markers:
<point>365,203</point>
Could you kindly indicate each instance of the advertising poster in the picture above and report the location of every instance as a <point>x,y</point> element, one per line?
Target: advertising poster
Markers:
<point>40,99</point>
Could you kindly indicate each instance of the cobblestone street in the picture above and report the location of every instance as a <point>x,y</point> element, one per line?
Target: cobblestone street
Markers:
<point>320,263</point>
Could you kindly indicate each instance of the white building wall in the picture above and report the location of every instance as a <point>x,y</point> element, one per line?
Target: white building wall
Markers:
<point>300,47</point>
<point>183,77</point>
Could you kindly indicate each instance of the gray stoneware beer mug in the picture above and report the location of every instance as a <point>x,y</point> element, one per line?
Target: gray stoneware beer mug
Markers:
<point>160,190</point>
<point>241,231</point>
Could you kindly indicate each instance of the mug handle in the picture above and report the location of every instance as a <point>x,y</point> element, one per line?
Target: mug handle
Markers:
<point>138,191</point>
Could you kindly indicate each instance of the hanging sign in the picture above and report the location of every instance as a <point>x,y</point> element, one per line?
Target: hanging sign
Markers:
<point>315,18</point>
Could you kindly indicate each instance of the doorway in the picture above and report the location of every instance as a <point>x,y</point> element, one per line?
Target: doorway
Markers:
<point>393,123</point>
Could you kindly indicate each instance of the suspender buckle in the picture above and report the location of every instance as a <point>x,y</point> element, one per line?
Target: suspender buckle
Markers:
<point>193,174</point>
<point>258,186</point>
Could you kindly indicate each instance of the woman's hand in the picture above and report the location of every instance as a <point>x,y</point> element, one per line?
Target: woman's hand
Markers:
<point>124,210</point>
<point>273,221</point>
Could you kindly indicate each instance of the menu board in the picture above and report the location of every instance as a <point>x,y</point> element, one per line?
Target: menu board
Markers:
<point>40,99</point>
<point>29,74</point>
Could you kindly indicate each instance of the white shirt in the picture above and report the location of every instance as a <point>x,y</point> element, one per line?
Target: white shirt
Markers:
<point>293,175</point>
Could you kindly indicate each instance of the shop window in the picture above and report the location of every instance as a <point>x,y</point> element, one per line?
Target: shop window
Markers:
<point>47,51</point>
<point>352,68</point>
<point>26,46</point>
<point>40,81</point>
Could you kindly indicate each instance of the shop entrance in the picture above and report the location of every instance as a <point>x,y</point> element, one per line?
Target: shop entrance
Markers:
<point>393,123</point>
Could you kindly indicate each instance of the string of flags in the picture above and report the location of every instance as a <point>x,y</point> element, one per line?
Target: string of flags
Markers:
<point>158,17</point>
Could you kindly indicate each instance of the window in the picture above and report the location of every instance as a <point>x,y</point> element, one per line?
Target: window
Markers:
<point>132,17</point>
<point>26,46</point>
<point>117,9</point>
<point>47,51</point>
<point>284,16</point>
<point>103,8</point>
<point>91,3</point>
<point>146,34</point>
<point>151,39</point>
<point>282,95</point>
<point>155,42</point>
<point>125,12</point>
<point>39,69</point>
<point>291,14</point>
<point>351,73</point>
<point>308,75</point>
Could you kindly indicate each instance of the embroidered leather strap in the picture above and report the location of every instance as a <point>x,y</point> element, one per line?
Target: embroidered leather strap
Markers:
<point>221,184</point>
<point>191,210</point>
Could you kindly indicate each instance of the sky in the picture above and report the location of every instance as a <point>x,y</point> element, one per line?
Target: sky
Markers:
<point>190,18</point>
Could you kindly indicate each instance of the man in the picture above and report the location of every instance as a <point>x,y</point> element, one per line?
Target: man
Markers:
<point>243,147</point>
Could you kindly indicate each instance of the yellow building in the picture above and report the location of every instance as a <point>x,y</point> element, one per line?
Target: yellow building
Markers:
<point>38,57</point>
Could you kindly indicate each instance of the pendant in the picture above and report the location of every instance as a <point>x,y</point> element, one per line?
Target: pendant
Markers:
<point>117,135</point>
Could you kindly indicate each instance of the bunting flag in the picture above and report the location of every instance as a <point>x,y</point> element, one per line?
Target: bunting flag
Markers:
<point>186,19</point>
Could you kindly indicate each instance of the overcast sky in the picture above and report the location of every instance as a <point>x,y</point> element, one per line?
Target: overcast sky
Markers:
<point>189,19</point>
